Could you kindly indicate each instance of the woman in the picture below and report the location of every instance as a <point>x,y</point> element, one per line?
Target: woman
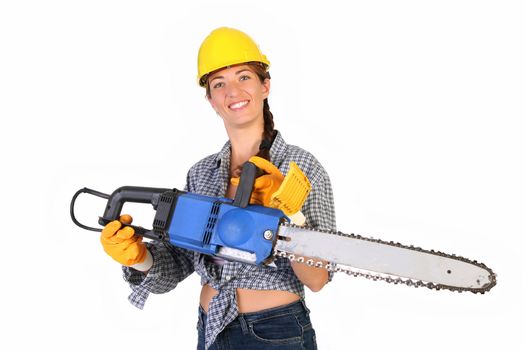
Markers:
<point>241,306</point>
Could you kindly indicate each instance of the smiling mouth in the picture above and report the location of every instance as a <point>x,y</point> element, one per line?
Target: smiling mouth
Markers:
<point>238,105</point>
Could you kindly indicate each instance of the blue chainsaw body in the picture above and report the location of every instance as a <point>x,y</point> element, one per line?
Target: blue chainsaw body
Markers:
<point>207,224</point>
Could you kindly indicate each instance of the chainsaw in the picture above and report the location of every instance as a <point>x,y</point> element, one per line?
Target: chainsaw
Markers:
<point>235,230</point>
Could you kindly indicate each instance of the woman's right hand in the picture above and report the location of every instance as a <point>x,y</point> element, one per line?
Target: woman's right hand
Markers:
<point>122,244</point>
<point>264,185</point>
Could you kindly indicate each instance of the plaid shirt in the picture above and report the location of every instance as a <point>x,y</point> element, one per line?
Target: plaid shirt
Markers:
<point>210,177</point>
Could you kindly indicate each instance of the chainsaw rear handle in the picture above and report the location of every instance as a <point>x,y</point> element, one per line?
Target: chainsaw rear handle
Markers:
<point>163,201</point>
<point>132,194</point>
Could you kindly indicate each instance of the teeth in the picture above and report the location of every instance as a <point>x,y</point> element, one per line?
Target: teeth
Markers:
<point>238,104</point>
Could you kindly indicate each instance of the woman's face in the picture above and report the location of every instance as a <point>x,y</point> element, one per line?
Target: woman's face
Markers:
<point>237,95</point>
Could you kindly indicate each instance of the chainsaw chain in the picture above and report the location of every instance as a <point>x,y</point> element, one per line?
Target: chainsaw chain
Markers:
<point>376,276</point>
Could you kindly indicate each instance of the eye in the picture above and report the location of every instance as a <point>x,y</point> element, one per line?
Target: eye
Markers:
<point>244,77</point>
<point>218,85</point>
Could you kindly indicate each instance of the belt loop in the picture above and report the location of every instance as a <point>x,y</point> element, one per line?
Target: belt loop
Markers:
<point>244,324</point>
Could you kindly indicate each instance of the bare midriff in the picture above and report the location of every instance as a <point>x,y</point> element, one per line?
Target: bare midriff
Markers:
<point>251,300</point>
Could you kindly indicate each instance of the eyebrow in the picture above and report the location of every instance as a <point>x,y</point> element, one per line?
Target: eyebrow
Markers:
<point>236,73</point>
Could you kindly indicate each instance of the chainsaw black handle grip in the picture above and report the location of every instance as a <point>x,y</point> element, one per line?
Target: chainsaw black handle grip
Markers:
<point>130,194</point>
<point>249,173</point>
<point>138,230</point>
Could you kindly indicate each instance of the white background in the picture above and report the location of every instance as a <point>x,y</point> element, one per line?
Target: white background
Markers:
<point>415,108</point>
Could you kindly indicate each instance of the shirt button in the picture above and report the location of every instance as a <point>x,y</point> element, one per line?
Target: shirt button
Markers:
<point>228,278</point>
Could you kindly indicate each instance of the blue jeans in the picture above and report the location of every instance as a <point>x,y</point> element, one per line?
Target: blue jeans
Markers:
<point>285,327</point>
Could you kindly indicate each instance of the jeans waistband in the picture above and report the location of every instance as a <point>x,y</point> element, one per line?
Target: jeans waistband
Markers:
<point>292,308</point>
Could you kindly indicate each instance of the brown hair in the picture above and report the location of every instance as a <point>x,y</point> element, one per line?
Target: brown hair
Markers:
<point>268,133</point>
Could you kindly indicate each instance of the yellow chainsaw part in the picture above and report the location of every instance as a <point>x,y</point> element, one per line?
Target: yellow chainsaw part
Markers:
<point>293,191</point>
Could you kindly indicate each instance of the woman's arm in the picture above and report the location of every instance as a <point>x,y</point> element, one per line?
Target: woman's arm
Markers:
<point>319,212</point>
<point>313,277</point>
<point>170,266</point>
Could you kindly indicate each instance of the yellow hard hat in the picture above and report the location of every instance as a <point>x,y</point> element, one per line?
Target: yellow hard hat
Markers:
<point>226,47</point>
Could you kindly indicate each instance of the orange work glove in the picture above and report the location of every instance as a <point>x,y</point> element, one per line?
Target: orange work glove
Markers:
<point>122,244</point>
<point>264,185</point>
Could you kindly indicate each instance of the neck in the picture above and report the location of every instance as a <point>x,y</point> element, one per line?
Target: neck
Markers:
<point>245,143</point>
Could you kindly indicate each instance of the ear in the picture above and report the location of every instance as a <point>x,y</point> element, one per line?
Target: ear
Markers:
<point>266,88</point>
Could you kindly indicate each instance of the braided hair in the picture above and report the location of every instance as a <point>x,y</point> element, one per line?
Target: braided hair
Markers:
<point>268,133</point>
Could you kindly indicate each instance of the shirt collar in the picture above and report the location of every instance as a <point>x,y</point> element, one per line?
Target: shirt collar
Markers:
<point>277,152</point>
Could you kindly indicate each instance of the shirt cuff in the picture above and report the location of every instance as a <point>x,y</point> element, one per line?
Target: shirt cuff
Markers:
<point>140,282</point>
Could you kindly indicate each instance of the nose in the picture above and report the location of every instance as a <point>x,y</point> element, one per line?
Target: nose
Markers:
<point>233,89</point>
